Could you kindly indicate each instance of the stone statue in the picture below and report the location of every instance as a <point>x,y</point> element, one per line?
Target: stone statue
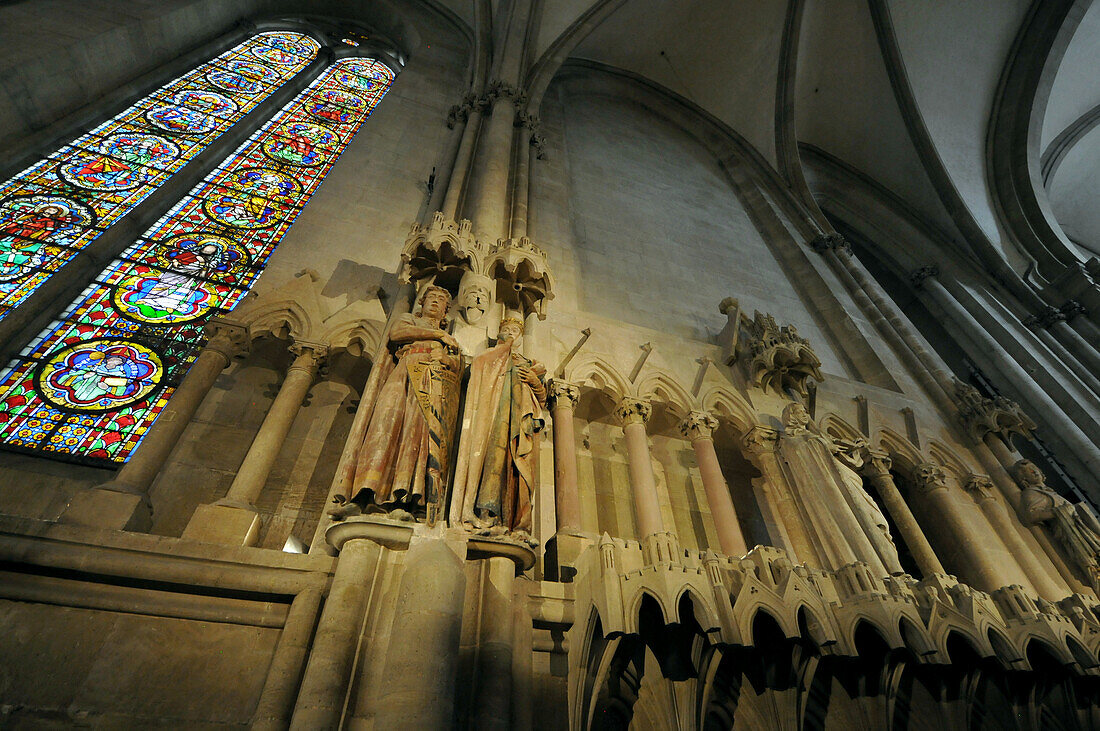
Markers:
<point>495,472</point>
<point>403,461</point>
<point>849,462</point>
<point>841,531</point>
<point>1072,525</point>
<point>475,296</point>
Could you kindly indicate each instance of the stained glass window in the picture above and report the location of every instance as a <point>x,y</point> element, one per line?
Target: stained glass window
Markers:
<point>93,382</point>
<point>63,202</point>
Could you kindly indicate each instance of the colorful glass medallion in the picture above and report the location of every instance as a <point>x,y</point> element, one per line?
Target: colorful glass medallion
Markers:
<point>241,77</point>
<point>32,227</point>
<point>299,143</point>
<point>241,210</point>
<point>98,375</point>
<point>191,112</point>
<point>274,55</point>
<point>336,107</point>
<point>181,280</point>
<point>119,162</point>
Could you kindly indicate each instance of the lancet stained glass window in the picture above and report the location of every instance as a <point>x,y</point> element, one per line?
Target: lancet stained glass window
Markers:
<point>65,201</point>
<point>92,383</point>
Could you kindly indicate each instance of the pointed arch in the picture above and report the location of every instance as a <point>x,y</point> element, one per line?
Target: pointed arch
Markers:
<point>834,426</point>
<point>950,460</point>
<point>726,403</point>
<point>904,453</point>
<point>595,371</point>
<point>662,387</point>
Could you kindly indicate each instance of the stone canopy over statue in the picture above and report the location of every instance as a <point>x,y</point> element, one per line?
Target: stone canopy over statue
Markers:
<point>404,457</point>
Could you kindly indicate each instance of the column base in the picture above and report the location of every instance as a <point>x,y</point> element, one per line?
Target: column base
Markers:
<point>230,524</point>
<point>104,507</point>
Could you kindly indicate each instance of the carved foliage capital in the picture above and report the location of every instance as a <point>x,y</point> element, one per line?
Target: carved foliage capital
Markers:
<point>760,440</point>
<point>1046,317</point>
<point>1071,309</point>
<point>633,410</point>
<point>980,487</point>
<point>876,463</point>
<point>917,277</point>
<point>698,425</point>
<point>564,394</point>
<point>309,355</point>
<point>929,477</point>
<point>227,338</point>
<point>828,242</point>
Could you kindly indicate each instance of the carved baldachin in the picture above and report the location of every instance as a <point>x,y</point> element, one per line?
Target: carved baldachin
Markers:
<point>781,358</point>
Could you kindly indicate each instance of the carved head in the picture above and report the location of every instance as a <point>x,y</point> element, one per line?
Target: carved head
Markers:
<point>1028,474</point>
<point>475,295</point>
<point>434,303</point>
<point>510,329</point>
<point>795,417</point>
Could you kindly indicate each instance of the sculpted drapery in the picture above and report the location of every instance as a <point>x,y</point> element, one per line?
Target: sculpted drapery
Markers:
<point>495,471</point>
<point>404,457</point>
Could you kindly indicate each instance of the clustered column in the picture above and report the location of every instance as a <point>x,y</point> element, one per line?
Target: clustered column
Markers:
<point>699,427</point>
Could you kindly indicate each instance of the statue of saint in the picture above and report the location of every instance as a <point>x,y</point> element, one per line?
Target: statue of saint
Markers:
<point>403,461</point>
<point>495,473</point>
<point>1073,525</point>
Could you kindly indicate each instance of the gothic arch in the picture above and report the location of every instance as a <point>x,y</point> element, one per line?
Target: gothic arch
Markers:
<point>834,426</point>
<point>950,460</point>
<point>595,371</point>
<point>904,453</point>
<point>727,403</point>
<point>662,387</point>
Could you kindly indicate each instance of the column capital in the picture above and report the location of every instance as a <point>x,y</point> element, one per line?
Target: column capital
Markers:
<point>632,410</point>
<point>917,276</point>
<point>760,439</point>
<point>982,416</point>
<point>876,463</point>
<point>698,425</point>
<point>226,337</point>
<point>929,477</point>
<point>825,242</point>
<point>1045,318</point>
<point>309,354</point>
<point>980,487</point>
<point>564,394</point>
<point>1071,309</point>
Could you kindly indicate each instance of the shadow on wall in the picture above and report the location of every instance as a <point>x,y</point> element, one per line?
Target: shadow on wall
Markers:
<point>361,282</point>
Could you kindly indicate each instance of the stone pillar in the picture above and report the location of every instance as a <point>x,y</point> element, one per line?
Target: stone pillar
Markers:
<point>567,502</point>
<point>325,682</point>
<point>277,698</point>
<point>418,681</point>
<point>980,488</point>
<point>123,503</point>
<point>492,708</point>
<point>698,427</point>
<point>634,413</point>
<point>780,514</point>
<point>877,471</point>
<point>970,546</point>
<point>234,518</point>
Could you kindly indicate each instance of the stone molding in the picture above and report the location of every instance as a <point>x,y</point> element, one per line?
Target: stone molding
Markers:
<point>698,425</point>
<point>633,410</point>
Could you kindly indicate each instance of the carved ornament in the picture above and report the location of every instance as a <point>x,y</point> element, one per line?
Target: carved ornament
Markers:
<point>698,425</point>
<point>1045,318</point>
<point>520,266</point>
<point>929,477</point>
<point>917,277</point>
<point>633,411</point>
<point>780,357</point>
<point>981,415</point>
<point>440,246</point>
<point>227,337</point>
<point>563,394</point>
<point>1071,309</point>
<point>760,439</point>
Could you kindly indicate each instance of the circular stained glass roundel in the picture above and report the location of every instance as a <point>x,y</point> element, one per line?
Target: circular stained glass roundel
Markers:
<point>293,43</point>
<point>32,227</point>
<point>191,112</point>
<point>253,198</point>
<point>97,375</point>
<point>186,276</point>
<point>335,107</point>
<point>241,77</point>
<point>119,162</point>
<point>299,143</point>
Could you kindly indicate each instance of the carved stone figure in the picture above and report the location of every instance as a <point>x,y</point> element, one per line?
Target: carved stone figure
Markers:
<point>849,462</point>
<point>475,296</point>
<point>403,461</point>
<point>1072,525</point>
<point>495,473</point>
<point>821,495</point>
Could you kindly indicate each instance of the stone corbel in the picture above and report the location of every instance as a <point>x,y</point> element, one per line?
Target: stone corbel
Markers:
<point>780,357</point>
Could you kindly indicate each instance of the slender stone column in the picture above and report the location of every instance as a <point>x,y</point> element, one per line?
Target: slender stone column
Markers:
<point>567,503</point>
<point>781,517</point>
<point>123,503</point>
<point>698,427</point>
<point>277,698</point>
<point>877,471</point>
<point>492,707</point>
<point>234,518</point>
<point>634,413</point>
<point>951,527</point>
<point>980,488</point>
<point>325,683</point>
<point>417,690</point>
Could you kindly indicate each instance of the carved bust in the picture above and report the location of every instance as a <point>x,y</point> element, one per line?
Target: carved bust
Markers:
<point>475,296</point>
